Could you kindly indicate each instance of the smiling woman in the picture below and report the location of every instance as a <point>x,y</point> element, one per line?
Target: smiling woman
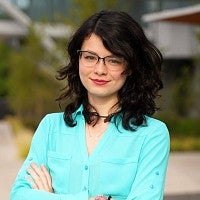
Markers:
<point>105,145</point>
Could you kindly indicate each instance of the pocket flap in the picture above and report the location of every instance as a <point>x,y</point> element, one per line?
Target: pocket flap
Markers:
<point>56,155</point>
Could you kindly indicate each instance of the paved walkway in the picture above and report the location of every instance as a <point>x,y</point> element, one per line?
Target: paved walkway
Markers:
<point>183,175</point>
<point>9,164</point>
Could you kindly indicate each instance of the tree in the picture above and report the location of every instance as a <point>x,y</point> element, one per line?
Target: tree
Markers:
<point>80,10</point>
<point>31,82</point>
<point>182,93</point>
<point>4,54</point>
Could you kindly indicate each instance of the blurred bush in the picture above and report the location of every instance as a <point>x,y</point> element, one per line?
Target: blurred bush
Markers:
<point>81,10</point>
<point>182,99</point>
<point>31,82</point>
<point>184,132</point>
<point>4,57</point>
<point>22,136</point>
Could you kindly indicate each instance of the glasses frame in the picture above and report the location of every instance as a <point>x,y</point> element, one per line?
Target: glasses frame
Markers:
<point>99,58</point>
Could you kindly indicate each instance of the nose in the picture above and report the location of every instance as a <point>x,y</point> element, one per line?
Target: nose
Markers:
<point>100,67</point>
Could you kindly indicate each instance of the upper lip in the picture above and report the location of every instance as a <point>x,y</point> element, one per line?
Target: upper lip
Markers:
<point>99,80</point>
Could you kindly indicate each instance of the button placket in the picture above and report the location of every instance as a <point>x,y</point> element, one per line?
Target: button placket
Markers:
<point>86,177</point>
<point>86,167</point>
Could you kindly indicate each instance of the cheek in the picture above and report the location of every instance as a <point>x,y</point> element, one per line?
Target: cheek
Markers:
<point>119,77</point>
<point>123,80</point>
<point>84,74</point>
<point>119,81</point>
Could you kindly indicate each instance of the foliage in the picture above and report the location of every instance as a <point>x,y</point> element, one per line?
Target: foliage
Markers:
<point>4,54</point>
<point>197,78</point>
<point>185,144</point>
<point>182,93</point>
<point>22,136</point>
<point>32,87</point>
<point>184,132</point>
<point>180,126</point>
<point>80,10</point>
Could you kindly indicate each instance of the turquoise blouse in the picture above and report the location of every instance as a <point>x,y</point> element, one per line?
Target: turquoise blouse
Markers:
<point>125,164</point>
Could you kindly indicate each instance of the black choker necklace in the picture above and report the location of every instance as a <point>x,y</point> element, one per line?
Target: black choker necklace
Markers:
<point>106,118</point>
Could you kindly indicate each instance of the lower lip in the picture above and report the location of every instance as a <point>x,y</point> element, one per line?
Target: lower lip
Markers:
<point>96,82</point>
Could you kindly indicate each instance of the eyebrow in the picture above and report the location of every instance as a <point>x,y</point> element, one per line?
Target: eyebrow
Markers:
<point>94,53</point>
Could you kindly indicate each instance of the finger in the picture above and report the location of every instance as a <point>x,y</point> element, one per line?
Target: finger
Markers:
<point>48,177</point>
<point>41,176</point>
<point>44,176</point>
<point>30,180</point>
<point>35,178</point>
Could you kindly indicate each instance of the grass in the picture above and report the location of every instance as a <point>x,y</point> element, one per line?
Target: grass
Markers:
<point>185,144</point>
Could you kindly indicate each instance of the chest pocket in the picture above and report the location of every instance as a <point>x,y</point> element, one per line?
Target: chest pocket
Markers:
<point>118,175</point>
<point>59,167</point>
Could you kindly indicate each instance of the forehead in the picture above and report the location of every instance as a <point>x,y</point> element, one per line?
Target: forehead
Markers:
<point>95,44</point>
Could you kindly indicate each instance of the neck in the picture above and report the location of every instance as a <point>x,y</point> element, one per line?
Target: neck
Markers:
<point>105,118</point>
<point>104,107</point>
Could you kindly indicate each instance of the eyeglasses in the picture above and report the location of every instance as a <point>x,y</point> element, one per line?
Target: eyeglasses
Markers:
<point>90,59</point>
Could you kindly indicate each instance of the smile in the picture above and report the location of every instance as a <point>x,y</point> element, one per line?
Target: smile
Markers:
<point>99,81</point>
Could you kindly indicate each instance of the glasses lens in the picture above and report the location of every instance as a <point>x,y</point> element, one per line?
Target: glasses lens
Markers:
<point>88,58</point>
<point>114,62</point>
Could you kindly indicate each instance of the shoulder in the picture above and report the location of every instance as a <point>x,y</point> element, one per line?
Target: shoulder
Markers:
<point>152,128</point>
<point>156,130</point>
<point>54,116</point>
<point>53,120</point>
<point>152,123</point>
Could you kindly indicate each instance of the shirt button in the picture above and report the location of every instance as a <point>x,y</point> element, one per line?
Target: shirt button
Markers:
<point>30,158</point>
<point>86,167</point>
<point>85,188</point>
<point>157,173</point>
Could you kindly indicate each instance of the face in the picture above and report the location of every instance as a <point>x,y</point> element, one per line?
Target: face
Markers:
<point>102,78</point>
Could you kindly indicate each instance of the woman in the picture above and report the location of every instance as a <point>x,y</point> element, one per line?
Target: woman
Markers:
<point>106,144</point>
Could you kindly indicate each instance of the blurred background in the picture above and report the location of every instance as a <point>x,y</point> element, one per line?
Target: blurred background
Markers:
<point>33,41</point>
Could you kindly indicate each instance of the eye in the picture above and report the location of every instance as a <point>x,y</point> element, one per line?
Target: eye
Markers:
<point>114,61</point>
<point>89,57</point>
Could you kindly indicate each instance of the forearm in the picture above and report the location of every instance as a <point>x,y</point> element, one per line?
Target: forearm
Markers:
<point>32,194</point>
<point>38,186</point>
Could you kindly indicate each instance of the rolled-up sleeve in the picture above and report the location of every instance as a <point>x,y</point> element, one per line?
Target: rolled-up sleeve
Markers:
<point>150,177</point>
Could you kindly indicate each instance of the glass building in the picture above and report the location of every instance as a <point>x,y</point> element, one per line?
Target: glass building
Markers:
<point>47,10</point>
<point>139,7</point>
<point>51,10</point>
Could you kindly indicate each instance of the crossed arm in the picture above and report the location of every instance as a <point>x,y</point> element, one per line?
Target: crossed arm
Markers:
<point>150,172</point>
<point>40,179</point>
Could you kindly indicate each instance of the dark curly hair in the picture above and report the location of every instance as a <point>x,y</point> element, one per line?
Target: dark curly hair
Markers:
<point>124,37</point>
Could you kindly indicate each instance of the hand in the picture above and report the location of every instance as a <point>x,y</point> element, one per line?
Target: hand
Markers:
<point>40,178</point>
<point>100,197</point>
